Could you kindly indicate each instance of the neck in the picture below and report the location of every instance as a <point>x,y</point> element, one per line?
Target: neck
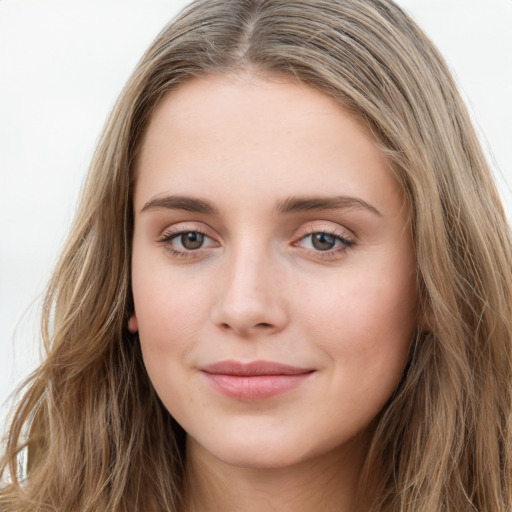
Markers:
<point>326,483</point>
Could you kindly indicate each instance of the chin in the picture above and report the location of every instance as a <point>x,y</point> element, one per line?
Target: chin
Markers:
<point>276,451</point>
<point>260,457</point>
<point>250,451</point>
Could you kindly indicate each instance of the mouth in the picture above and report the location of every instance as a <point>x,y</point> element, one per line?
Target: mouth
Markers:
<point>257,380</point>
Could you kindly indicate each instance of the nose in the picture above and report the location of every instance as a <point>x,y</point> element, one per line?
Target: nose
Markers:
<point>251,298</point>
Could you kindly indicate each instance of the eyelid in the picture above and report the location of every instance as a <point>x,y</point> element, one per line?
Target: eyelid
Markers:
<point>325,227</point>
<point>184,227</point>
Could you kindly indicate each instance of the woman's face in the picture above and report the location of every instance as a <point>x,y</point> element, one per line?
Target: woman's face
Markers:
<point>273,272</point>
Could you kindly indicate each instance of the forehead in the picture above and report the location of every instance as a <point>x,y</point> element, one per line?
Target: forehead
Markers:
<point>203,105</point>
<point>257,135</point>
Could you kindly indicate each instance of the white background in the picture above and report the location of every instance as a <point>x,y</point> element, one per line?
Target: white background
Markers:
<point>63,63</point>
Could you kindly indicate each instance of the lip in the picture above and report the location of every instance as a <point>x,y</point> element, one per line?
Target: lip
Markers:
<point>256,380</point>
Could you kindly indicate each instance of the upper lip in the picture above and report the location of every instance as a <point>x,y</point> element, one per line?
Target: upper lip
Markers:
<point>253,368</point>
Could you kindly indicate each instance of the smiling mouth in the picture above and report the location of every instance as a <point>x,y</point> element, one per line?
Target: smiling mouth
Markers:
<point>256,380</point>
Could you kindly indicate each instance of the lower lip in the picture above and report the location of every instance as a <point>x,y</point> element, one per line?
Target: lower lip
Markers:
<point>255,387</point>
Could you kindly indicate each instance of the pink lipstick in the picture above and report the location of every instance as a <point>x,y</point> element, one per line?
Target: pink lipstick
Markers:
<point>256,380</point>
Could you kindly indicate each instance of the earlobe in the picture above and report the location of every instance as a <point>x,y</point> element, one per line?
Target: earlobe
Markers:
<point>132,323</point>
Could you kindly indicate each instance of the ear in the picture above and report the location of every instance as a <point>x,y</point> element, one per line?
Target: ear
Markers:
<point>132,323</point>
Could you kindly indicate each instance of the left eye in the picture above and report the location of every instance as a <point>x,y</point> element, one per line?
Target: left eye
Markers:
<point>323,242</point>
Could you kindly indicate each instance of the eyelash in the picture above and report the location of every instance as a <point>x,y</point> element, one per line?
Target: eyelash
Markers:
<point>346,243</point>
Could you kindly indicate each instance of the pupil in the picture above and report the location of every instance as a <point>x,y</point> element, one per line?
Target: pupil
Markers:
<point>323,241</point>
<point>192,240</point>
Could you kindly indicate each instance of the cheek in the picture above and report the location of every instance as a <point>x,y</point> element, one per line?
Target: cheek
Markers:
<point>366,318</point>
<point>170,310</point>
<point>168,323</point>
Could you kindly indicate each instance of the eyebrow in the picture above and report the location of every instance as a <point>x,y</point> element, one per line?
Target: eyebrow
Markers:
<point>289,205</point>
<point>189,204</point>
<point>304,204</point>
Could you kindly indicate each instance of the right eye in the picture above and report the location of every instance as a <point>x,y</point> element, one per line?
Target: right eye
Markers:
<point>189,241</point>
<point>184,242</point>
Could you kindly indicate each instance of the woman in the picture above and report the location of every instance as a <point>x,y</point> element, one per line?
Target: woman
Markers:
<point>288,285</point>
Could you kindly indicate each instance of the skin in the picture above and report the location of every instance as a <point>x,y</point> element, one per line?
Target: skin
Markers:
<point>260,287</point>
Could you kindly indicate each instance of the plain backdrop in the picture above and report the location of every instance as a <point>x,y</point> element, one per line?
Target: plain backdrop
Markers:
<point>62,65</point>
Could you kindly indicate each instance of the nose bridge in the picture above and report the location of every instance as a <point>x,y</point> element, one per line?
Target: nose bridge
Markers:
<point>250,296</point>
<point>250,277</point>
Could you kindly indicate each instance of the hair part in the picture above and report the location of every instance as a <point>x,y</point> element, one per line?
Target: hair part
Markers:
<point>98,436</point>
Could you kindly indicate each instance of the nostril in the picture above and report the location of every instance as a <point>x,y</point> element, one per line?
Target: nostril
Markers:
<point>264,325</point>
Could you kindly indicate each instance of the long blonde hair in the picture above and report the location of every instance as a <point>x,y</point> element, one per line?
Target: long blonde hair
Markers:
<point>96,434</point>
